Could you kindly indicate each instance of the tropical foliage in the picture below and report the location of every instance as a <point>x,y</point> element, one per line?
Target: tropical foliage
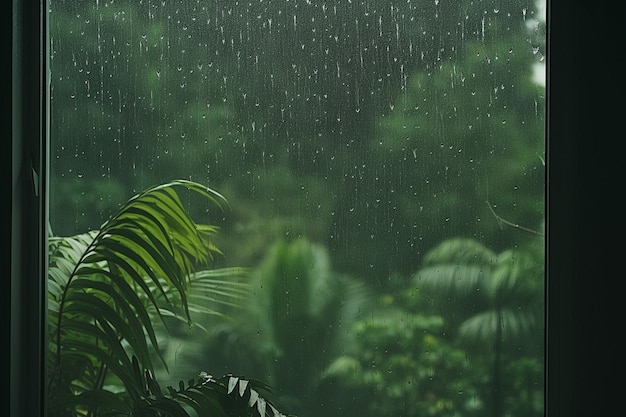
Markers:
<point>494,303</point>
<point>358,144</point>
<point>296,319</point>
<point>108,288</point>
<point>467,324</point>
<point>402,359</point>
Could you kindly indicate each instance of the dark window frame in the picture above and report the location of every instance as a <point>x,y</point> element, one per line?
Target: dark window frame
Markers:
<point>28,240</point>
<point>24,302</point>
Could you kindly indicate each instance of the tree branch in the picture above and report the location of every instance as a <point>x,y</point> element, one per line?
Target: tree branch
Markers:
<point>508,223</point>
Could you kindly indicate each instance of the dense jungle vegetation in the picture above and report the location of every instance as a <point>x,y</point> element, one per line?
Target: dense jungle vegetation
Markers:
<point>384,170</point>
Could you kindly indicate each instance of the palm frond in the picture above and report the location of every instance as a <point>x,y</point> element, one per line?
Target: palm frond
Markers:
<point>216,286</point>
<point>211,292</point>
<point>103,285</point>
<point>481,327</point>
<point>514,326</point>
<point>454,280</point>
<point>510,298</point>
<point>227,396</point>
<point>457,268</point>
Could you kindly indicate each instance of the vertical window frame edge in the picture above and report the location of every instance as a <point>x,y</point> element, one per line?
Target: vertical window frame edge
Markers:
<point>29,207</point>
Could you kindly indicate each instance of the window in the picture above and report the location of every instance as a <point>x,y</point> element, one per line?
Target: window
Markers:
<point>373,153</point>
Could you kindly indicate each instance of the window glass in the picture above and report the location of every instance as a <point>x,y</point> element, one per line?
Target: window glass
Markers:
<point>384,167</point>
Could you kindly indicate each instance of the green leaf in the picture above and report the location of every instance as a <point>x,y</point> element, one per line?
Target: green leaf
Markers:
<point>243,384</point>
<point>232,383</point>
<point>106,287</point>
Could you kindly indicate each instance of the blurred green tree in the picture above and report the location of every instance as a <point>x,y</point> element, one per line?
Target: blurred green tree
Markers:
<point>297,318</point>
<point>135,101</point>
<point>495,303</point>
<point>468,132</point>
<point>402,363</point>
<point>243,94</point>
<point>443,344</point>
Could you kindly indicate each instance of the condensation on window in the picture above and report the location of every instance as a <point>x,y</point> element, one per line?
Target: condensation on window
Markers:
<point>384,167</point>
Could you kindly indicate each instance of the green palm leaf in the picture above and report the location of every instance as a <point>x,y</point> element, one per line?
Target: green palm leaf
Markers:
<point>106,286</point>
<point>461,269</point>
<point>218,397</point>
<point>107,289</point>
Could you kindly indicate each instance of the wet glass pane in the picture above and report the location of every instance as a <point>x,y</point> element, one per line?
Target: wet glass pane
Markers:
<point>379,250</point>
